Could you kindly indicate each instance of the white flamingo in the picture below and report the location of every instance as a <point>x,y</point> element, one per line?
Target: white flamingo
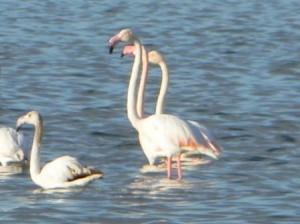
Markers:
<point>11,147</point>
<point>160,135</point>
<point>154,57</point>
<point>62,172</point>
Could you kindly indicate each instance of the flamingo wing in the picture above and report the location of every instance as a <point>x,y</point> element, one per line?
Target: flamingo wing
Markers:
<point>204,138</point>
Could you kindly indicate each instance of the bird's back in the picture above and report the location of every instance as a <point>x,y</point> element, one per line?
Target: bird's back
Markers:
<point>10,145</point>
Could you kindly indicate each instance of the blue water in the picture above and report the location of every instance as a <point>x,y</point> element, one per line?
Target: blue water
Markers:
<point>234,66</point>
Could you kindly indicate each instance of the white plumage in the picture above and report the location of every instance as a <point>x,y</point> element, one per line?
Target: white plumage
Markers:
<point>65,171</point>
<point>10,146</point>
<point>163,133</point>
<point>62,172</point>
<point>200,134</point>
<point>159,134</point>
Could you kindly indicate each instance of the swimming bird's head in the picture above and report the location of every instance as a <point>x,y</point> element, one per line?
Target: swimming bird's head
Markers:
<point>32,117</point>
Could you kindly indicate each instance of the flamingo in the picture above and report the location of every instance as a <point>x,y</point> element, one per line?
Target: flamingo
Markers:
<point>202,134</point>
<point>160,135</point>
<point>11,147</point>
<point>63,172</point>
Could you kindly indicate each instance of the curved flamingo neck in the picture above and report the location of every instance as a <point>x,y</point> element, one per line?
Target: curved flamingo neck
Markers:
<point>143,79</point>
<point>35,157</point>
<point>131,94</point>
<point>163,88</point>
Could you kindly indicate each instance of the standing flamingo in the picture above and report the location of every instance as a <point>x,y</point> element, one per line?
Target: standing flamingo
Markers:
<point>63,172</point>
<point>200,132</point>
<point>160,135</point>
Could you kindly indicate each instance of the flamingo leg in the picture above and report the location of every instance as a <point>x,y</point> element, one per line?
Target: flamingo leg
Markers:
<point>169,167</point>
<point>179,170</point>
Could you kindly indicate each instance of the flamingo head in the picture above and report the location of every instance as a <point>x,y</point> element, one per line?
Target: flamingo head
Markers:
<point>128,50</point>
<point>154,57</point>
<point>32,117</point>
<point>124,35</point>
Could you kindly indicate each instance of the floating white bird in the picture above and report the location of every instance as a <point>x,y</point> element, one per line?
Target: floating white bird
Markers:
<point>11,147</point>
<point>160,135</point>
<point>62,172</point>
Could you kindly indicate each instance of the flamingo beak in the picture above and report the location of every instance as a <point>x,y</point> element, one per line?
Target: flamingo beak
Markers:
<point>111,49</point>
<point>19,123</point>
<point>18,126</point>
<point>112,42</point>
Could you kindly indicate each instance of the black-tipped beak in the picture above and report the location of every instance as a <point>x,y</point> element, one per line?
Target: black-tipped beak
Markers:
<point>111,49</point>
<point>19,124</point>
<point>18,128</point>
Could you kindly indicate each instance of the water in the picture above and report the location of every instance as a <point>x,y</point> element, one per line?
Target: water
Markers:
<point>234,66</point>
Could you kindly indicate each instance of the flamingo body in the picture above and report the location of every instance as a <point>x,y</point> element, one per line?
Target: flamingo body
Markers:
<point>10,146</point>
<point>65,171</point>
<point>160,135</point>
<point>164,135</point>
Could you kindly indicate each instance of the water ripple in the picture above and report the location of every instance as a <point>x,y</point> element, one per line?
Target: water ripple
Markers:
<point>234,66</point>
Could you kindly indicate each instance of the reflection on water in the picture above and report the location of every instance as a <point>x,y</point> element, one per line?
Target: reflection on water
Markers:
<point>234,67</point>
<point>154,186</point>
<point>188,163</point>
<point>12,169</point>
<point>58,190</point>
